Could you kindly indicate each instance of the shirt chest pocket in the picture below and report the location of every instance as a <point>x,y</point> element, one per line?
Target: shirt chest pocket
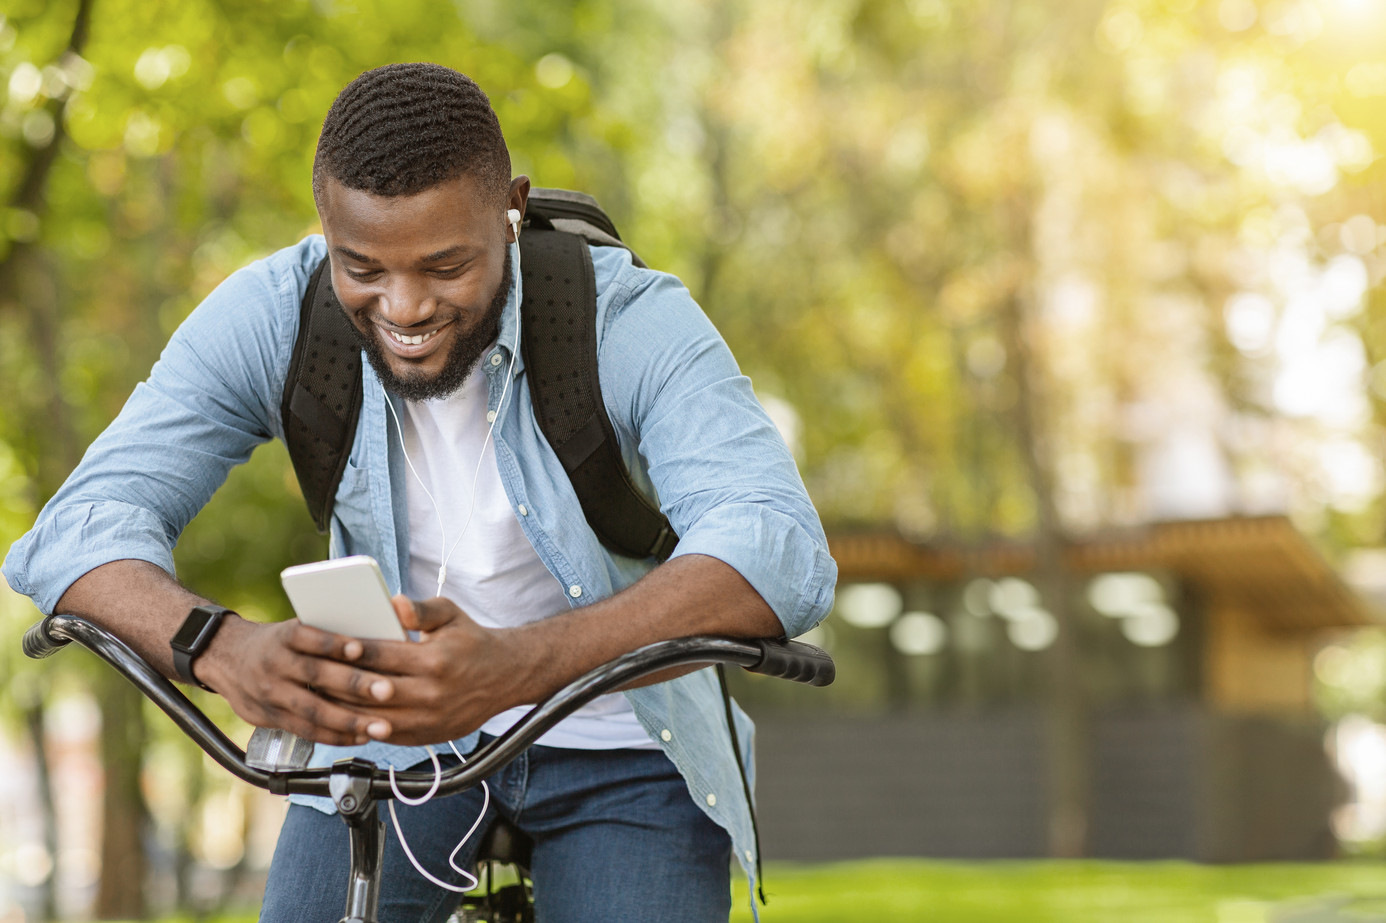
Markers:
<point>354,529</point>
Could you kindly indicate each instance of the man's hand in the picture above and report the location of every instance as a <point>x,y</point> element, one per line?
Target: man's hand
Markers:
<point>445,685</point>
<point>291,676</point>
<point>264,671</point>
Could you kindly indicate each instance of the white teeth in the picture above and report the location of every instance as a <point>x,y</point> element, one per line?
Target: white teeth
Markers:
<point>414,340</point>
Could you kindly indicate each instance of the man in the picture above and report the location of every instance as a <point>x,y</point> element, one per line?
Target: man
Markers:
<point>635,803</point>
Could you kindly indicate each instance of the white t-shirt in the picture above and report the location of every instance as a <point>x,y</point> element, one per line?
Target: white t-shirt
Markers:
<point>494,574</point>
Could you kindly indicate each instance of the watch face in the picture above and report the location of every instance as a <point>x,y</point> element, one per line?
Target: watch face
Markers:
<point>193,628</point>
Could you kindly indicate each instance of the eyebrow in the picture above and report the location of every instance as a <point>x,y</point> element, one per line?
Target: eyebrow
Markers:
<point>353,255</point>
<point>434,257</point>
<point>449,253</point>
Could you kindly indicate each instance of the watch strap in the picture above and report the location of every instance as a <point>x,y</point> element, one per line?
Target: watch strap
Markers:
<point>202,623</point>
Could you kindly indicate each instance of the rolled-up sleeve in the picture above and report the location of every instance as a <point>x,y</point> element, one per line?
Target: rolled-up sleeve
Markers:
<point>723,474</point>
<point>208,401</point>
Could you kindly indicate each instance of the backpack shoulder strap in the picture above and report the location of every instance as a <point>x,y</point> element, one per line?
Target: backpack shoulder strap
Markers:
<point>322,396</point>
<point>559,342</point>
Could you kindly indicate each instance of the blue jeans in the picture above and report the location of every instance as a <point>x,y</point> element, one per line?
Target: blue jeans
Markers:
<point>616,834</point>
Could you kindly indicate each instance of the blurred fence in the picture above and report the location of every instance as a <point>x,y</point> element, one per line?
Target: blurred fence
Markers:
<point>1180,782</point>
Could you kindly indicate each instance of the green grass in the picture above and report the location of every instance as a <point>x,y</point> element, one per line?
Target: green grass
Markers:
<point>902,891</point>
<point>910,890</point>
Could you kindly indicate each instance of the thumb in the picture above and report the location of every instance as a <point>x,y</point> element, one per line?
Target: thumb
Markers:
<point>425,615</point>
<point>405,611</point>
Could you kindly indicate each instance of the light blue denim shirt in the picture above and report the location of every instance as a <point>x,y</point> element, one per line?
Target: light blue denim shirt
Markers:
<point>690,428</point>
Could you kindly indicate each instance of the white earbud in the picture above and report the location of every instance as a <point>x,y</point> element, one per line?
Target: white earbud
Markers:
<point>512,216</point>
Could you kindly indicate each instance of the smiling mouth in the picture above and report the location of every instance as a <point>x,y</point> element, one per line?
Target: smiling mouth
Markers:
<point>416,340</point>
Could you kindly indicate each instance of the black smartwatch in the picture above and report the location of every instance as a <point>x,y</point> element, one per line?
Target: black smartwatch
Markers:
<point>192,639</point>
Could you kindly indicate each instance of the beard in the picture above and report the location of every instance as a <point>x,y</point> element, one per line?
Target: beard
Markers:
<point>462,356</point>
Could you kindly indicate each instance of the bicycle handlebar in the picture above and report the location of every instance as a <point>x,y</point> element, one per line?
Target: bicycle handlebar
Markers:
<point>38,643</point>
<point>793,660</point>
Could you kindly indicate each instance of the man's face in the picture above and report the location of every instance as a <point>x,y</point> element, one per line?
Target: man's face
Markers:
<point>423,278</point>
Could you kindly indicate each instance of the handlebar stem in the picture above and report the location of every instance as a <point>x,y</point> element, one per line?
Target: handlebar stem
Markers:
<point>350,785</point>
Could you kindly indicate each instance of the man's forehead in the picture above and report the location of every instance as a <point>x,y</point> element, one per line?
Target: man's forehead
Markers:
<point>452,214</point>
<point>463,192</point>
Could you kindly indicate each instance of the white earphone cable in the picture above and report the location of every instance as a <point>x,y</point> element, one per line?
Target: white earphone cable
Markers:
<point>513,217</point>
<point>452,857</point>
<point>495,421</point>
<point>437,510</point>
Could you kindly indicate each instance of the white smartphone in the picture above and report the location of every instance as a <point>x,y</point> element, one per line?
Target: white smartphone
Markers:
<point>346,595</point>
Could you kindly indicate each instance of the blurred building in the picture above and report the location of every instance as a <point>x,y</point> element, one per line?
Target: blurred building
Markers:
<point>1196,641</point>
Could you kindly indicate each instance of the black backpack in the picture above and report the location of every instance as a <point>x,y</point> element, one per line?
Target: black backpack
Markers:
<point>322,393</point>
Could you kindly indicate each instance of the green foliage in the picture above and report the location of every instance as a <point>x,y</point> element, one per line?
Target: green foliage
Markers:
<point>854,197</point>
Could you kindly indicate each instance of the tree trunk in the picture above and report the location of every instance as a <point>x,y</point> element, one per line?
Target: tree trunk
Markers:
<point>1066,714</point>
<point>120,894</point>
<point>35,725</point>
<point>30,192</point>
<point>183,865</point>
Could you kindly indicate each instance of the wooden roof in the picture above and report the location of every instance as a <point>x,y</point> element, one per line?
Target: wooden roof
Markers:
<point>1262,564</point>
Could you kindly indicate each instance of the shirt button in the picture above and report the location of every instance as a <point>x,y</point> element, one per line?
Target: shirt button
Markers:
<point>711,800</point>
<point>490,416</point>
<point>750,856</point>
<point>665,736</point>
<point>575,591</point>
<point>524,510</point>
<point>496,359</point>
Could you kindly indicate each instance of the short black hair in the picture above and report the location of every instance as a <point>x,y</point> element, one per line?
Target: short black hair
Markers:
<point>403,128</point>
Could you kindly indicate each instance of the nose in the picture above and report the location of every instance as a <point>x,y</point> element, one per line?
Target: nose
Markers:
<point>407,302</point>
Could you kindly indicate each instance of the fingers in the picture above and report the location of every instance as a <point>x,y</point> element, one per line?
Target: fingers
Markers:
<point>318,643</point>
<point>313,713</point>
<point>337,690</point>
<point>424,616</point>
<point>346,684</point>
<point>322,667</point>
<point>381,656</point>
<point>305,681</point>
<point>310,716</point>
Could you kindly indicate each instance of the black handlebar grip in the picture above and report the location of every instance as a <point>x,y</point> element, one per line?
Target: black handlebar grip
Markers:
<point>797,661</point>
<point>37,642</point>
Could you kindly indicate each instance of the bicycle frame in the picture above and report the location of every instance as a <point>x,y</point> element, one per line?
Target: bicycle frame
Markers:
<point>356,785</point>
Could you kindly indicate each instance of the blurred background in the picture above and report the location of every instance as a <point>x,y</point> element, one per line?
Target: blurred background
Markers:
<point>1070,311</point>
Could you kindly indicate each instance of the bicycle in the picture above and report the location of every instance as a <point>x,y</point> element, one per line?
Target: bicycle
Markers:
<point>357,785</point>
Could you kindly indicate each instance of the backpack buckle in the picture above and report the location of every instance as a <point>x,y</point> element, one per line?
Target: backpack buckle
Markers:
<point>664,543</point>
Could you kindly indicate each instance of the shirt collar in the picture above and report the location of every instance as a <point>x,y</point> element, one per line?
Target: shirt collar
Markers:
<point>510,327</point>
